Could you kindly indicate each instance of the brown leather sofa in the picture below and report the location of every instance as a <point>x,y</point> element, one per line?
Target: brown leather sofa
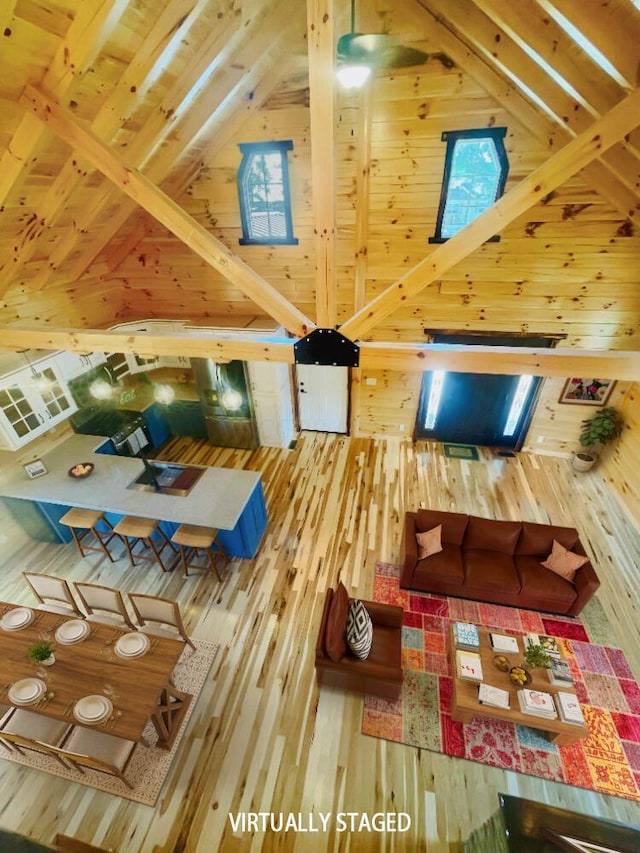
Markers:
<point>381,673</point>
<point>495,561</point>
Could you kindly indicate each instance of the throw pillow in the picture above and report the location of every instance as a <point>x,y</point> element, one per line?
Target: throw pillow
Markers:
<point>563,562</point>
<point>359,630</point>
<point>429,542</point>
<point>335,643</point>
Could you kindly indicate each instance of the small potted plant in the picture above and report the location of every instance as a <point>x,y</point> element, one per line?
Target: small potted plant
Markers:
<point>596,432</point>
<point>41,653</point>
<point>536,658</point>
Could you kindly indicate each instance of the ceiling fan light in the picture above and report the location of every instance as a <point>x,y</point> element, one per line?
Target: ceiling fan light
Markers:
<point>353,76</point>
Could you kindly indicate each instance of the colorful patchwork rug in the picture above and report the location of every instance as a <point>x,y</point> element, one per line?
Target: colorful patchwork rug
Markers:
<point>608,761</point>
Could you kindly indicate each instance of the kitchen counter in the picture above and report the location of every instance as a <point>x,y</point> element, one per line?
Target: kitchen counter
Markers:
<point>222,498</point>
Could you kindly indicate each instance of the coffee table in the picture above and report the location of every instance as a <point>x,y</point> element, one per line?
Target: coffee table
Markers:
<point>465,705</point>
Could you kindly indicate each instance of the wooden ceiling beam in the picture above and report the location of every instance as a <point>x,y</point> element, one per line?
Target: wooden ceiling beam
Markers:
<point>161,207</point>
<point>160,44</point>
<point>512,361</point>
<point>92,25</point>
<point>322,83</point>
<point>604,133</point>
<point>487,40</point>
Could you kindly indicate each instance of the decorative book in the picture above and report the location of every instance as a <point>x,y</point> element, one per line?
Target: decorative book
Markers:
<point>494,696</point>
<point>502,643</point>
<point>560,674</point>
<point>537,702</point>
<point>549,644</point>
<point>466,635</point>
<point>468,665</point>
<point>569,709</point>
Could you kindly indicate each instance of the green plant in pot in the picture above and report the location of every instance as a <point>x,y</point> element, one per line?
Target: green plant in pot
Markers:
<point>596,432</point>
<point>41,653</point>
<point>535,657</point>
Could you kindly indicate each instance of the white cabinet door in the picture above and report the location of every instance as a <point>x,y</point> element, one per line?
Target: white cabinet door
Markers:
<point>33,401</point>
<point>323,397</point>
<point>272,402</point>
<point>71,364</point>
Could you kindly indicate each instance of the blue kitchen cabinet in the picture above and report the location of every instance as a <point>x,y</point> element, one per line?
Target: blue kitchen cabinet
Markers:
<point>244,540</point>
<point>156,420</point>
<point>107,447</point>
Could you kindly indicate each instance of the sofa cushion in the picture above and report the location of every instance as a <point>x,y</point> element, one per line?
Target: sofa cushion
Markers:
<point>335,637</point>
<point>453,524</point>
<point>445,567</point>
<point>490,569</point>
<point>429,542</point>
<point>359,630</point>
<point>563,562</point>
<point>538,538</point>
<point>540,583</point>
<point>485,534</point>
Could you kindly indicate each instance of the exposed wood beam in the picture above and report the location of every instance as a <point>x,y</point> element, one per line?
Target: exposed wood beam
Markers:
<point>321,46</point>
<point>612,364</point>
<point>92,25</point>
<point>170,29</point>
<point>601,135</point>
<point>550,128</point>
<point>166,211</point>
<point>363,175</point>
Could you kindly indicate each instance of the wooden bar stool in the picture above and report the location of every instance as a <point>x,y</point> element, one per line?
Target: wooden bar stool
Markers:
<point>134,530</point>
<point>197,541</point>
<point>83,522</point>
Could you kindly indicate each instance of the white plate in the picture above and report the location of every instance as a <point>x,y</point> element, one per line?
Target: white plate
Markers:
<point>92,709</point>
<point>72,631</point>
<point>26,691</point>
<point>132,645</point>
<point>17,618</point>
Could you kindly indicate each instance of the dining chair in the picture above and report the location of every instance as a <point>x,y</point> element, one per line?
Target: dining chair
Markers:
<point>94,750</point>
<point>104,598</point>
<point>20,730</point>
<point>150,608</point>
<point>47,588</point>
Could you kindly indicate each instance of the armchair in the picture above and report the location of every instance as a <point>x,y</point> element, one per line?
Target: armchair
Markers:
<point>381,673</point>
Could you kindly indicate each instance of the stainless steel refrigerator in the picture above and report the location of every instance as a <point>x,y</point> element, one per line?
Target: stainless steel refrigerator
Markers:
<point>226,401</point>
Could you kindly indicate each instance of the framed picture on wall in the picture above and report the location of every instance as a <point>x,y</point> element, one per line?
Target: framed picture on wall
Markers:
<point>36,468</point>
<point>587,392</point>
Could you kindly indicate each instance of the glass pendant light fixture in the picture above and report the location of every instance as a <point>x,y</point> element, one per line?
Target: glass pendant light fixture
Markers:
<point>163,393</point>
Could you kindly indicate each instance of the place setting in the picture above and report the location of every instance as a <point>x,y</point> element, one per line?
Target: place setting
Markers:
<point>72,631</point>
<point>93,710</point>
<point>29,691</point>
<point>17,618</point>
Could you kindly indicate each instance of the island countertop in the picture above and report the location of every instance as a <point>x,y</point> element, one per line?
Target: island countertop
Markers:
<point>216,500</point>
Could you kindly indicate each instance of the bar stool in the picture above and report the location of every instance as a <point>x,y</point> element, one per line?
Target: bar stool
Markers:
<point>196,541</point>
<point>86,521</point>
<point>133,530</point>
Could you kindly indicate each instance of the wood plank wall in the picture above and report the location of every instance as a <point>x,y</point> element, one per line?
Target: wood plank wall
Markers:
<point>620,467</point>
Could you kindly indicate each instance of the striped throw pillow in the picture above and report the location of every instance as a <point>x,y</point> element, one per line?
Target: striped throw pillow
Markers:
<point>359,630</point>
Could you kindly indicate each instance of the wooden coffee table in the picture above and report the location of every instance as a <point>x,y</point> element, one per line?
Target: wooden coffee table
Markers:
<point>465,705</point>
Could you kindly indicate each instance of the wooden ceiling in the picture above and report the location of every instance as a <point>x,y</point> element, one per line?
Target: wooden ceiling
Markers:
<point>118,152</point>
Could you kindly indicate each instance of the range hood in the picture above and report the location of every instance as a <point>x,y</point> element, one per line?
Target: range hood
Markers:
<point>224,394</point>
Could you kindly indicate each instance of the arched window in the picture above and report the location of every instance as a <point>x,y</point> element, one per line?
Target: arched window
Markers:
<point>475,174</point>
<point>263,188</point>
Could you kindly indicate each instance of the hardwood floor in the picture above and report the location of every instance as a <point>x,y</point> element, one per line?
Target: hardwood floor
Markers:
<point>262,737</point>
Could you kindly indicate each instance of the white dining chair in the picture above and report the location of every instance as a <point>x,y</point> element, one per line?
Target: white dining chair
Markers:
<point>47,589</point>
<point>150,608</point>
<point>21,729</point>
<point>103,598</point>
<point>94,750</point>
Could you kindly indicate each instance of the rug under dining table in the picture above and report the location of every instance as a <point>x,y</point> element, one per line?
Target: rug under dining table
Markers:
<point>150,765</point>
<point>608,761</point>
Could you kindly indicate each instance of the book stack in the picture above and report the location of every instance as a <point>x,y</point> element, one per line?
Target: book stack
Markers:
<point>502,643</point>
<point>560,674</point>
<point>569,709</point>
<point>468,665</point>
<point>466,636</point>
<point>549,644</point>
<point>494,696</point>
<point>537,703</point>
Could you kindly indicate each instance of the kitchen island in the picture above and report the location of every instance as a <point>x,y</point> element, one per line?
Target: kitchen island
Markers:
<point>228,499</point>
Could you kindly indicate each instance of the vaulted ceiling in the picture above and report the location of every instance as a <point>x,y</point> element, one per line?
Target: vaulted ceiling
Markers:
<point>117,178</point>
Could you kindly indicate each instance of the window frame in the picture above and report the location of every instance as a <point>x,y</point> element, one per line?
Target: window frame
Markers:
<point>249,150</point>
<point>496,134</point>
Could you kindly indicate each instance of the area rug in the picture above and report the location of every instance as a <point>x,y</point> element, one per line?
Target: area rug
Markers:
<point>150,765</point>
<point>461,451</point>
<point>608,761</point>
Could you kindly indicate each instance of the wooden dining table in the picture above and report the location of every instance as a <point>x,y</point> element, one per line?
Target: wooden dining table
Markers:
<point>139,688</point>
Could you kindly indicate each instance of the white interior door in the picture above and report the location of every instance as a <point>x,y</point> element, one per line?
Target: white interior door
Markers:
<point>323,397</point>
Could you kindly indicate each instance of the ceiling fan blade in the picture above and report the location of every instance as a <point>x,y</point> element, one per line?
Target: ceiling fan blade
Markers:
<point>378,49</point>
<point>400,56</point>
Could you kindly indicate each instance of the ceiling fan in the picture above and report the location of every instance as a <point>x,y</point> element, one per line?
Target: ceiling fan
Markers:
<point>376,50</point>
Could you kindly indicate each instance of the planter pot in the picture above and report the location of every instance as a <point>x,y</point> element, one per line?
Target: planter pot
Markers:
<point>584,461</point>
<point>49,661</point>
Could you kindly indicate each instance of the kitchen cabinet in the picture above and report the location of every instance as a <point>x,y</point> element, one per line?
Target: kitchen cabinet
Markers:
<point>32,401</point>
<point>156,421</point>
<point>138,363</point>
<point>71,364</point>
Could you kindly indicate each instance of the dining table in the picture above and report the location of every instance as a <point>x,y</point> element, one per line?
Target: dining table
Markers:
<point>139,688</point>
